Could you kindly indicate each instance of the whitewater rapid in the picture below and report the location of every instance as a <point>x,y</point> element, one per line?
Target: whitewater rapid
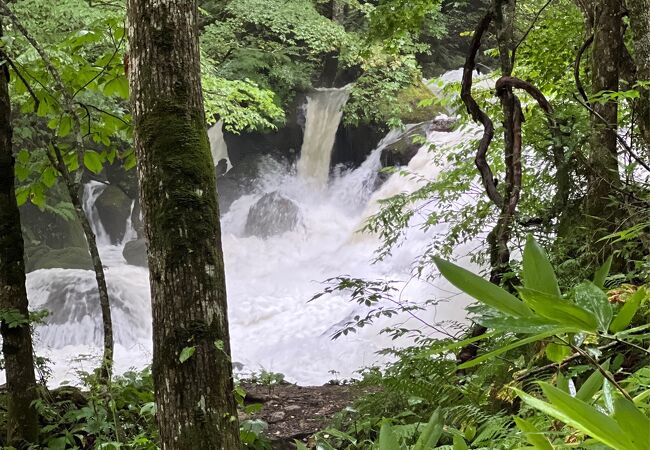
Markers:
<point>273,325</point>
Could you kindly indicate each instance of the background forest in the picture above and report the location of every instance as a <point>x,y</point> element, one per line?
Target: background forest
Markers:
<point>494,154</point>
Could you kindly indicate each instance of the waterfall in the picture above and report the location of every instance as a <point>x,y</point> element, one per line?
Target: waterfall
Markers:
<point>324,112</point>
<point>269,279</point>
<point>92,190</point>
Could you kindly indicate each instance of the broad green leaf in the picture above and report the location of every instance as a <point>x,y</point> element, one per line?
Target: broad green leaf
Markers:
<point>533,435</point>
<point>528,325</point>
<point>65,126</point>
<point>22,194</point>
<point>21,172</point>
<point>459,443</point>
<point>506,348</point>
<point>538,273</point>
<point>23,157</point>
<point>579,415</point>
<point>431,433</point>
<point>118,85</point>
<point>592,298</point>
<point>633,421</point>
<point>93,161</point>
<point>37,196</point>
<point>592,384</point>
<point>387,438</point>
<point>559,310</point>
<point>628,310</point>
<point>557,352</point>
<point>482,290</point>
<point>49,176</point>
<point>186,353</point>
<point>601,274</point>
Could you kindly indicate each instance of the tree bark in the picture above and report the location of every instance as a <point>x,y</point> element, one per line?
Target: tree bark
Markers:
<point>22,419</point>
<point>196,407</point>
<point>603,158</point>
<point>639,13</point>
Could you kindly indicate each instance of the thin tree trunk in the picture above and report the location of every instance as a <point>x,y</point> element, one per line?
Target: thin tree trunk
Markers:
<point>106,368</point>
<point>22,419</point>
<point>196,407</point>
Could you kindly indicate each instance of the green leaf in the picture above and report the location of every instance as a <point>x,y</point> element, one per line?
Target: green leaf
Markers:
<point>431,433</point>
<point>559,310</point>
<point>482,290</point>
<point>528,325</point>
<point>186,353</point>
<point>49,176</point>
<point>601,274</point>
<point>592,298</point>
<point>519,343</point>
<point>628,310</point>
<point>533,435</point>
<point>22,172</point>
<point>65,126</point>
<point>538,273</point>
<point>23,157</point>
<point>579,415</point>
<point>557,352</point>
<point>459,443</point>
<point>93,161</point>
<point>387,438</point>
<point>118,85</point>
<point>633,422</point>
<point>592,384</point>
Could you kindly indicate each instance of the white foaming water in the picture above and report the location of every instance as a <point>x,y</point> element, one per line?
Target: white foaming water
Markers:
<point>92,190</point>
<point>324,112</point>
<point>270,281</point>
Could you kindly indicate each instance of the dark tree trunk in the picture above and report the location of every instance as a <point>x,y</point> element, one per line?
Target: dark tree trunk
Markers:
<point>603,159</point>
<point>639,12</point>
<point>22,420</point>
<point>196,407</point>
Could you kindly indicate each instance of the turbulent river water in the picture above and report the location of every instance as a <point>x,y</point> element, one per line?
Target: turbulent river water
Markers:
<point>269,280</point>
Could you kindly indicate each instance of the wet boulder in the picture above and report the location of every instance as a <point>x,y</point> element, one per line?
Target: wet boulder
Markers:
<point>272,214</point>
<point>400,151</point>
<point>135,253</point>
<point>114,208</point>
<point>43,257</point>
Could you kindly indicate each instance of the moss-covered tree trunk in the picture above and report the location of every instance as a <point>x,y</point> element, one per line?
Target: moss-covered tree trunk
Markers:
<point>22,420</point>
<point>603,160</point>
<point>196,408</point>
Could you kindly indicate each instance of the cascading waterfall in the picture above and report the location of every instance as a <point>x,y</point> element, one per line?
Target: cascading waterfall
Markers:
<point>92,190</point>
<point>324,112</point>
<point>271,279</point>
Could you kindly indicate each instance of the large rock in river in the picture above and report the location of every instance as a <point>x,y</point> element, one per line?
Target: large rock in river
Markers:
<point>135,252</point>
<point>400,151</point>
<point>272,214</point>
<point>114,208</point>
